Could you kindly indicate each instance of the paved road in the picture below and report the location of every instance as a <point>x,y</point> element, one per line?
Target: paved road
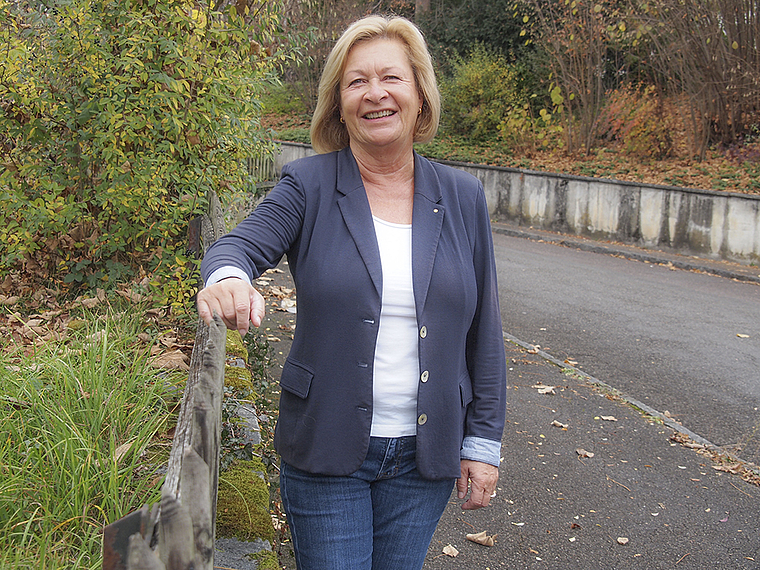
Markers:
<point>669,338</point>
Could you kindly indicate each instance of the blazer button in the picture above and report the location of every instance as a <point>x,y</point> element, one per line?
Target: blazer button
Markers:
<point>422,420</point>
<point>424,376</point>
<point>423,331</point>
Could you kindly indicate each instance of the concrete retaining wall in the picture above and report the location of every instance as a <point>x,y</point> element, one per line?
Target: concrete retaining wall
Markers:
<point>704,223</point>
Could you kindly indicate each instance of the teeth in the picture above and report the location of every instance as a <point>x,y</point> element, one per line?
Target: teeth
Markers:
<point>378,114</point>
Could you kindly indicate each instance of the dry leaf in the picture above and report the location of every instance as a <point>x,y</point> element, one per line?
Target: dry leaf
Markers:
<point>742,335</point>
<point>549,390</point>
<point>622,540</point>
<point>288,305</point>
<point>583,453</point>
<point>534,349</point>
<point>555,423</point>
<point>734,468</point>
<point>609,418</point>
<point>121,451</point>
<point>172,360</point>
<point>132,296</point>
<point>481,538</point>
<point>90,303</point>
<point>449,550</point>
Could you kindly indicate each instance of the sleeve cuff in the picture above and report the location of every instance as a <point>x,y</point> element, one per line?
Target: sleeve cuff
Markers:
<point>225,273</point>
<point>481,449</point>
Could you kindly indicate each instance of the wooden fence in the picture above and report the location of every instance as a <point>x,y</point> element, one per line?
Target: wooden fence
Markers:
<point>179,532</point>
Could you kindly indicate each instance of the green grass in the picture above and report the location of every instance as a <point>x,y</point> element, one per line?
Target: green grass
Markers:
<point>77,449</point>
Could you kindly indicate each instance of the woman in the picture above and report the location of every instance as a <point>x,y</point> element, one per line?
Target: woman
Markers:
<point>395,384</point>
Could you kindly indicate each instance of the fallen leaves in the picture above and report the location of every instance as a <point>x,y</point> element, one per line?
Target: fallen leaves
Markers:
<point>481,538</point>
<point>175,360</point>
<point>449,550</point>
<point>583,453</point>
<point>546,390</point>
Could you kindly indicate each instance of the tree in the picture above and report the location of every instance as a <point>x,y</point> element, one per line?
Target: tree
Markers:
<point>709,50</point>
<point>454,27</point>
<point>578,36</point>
<point>318,24</point>
<point>116,119</point>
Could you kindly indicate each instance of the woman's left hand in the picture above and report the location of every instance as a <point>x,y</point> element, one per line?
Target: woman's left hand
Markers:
<point>481,478</point>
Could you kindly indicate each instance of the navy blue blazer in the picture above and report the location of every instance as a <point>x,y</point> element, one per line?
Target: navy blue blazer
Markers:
<point>318,214</point>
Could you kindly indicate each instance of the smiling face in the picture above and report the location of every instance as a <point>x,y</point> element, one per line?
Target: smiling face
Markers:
<point>379,98</point>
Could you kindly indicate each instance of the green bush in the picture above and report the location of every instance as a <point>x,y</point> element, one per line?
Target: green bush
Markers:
<point>483,86</point>
<point>525,131</point>
<point>116,120</point>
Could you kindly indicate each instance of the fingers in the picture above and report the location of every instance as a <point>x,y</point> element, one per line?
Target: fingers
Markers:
<point>482,479</point>
<point>235,301</point>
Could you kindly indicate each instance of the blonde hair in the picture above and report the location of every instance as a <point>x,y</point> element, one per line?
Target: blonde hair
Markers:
<point>327,132</point>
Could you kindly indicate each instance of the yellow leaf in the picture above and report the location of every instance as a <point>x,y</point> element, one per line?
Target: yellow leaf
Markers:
<point>735,45</point>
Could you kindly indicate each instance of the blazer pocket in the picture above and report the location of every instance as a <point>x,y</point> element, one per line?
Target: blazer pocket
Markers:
<point>465,390</point>
<point>296,378</point>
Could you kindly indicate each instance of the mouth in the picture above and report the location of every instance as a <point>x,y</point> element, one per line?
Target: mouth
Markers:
<point>379,114</point>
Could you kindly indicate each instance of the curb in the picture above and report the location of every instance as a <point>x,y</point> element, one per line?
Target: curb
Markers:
<point>718,452</point>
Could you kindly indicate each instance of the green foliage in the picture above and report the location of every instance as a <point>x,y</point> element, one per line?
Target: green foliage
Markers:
<point>455,27</point>
<point>637,119</point>
<point>116,120</point>
<point>78,451</point>
<point>527,132</point>
<point>482,89</point>
<point>282,99</point>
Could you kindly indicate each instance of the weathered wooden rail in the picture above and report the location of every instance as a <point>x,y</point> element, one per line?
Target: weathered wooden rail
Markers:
<point>179,532</point>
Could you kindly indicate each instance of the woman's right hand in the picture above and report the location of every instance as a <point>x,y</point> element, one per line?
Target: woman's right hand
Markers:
<point>235,301</point>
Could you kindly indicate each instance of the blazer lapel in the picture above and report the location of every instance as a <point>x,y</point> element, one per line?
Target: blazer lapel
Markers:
<point>427,221</point>
<point>354,208</point>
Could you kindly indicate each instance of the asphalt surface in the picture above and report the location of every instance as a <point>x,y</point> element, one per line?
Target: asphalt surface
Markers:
<point>591,477</point>
<point>683,341</point>
<point>647,497</point>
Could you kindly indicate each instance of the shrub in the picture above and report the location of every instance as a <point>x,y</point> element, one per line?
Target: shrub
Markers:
<point>637,119</point>
<point>116,119</point>
<point>525,131</point>
<point>483,87</point>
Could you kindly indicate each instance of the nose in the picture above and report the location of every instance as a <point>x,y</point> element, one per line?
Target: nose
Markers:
<point>375,91</point>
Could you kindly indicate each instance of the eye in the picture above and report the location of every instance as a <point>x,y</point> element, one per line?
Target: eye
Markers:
<point>356,81</point>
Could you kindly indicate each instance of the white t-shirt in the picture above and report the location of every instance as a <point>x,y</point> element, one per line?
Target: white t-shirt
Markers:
<point>396,366</point>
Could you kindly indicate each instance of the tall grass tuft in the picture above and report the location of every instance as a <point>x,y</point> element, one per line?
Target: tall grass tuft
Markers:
<point>78,446</point>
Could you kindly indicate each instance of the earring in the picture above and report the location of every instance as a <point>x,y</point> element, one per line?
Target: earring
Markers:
<point>419,111</point>
<point>342,120</point>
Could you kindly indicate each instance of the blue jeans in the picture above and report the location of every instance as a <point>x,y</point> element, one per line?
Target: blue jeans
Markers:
<point>381,517</point>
